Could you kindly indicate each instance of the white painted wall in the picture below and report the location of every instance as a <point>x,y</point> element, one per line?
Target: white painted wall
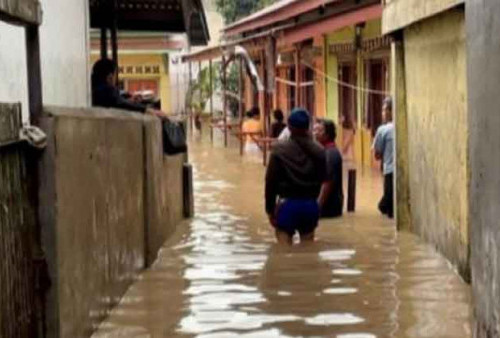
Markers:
<point>179,72</point>
<point>64,54</point>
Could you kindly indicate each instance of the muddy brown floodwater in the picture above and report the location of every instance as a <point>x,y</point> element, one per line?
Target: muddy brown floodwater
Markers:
<point>222,275</point>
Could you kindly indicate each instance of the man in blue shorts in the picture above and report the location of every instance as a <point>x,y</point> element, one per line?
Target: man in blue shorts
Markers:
<point>296,170</point>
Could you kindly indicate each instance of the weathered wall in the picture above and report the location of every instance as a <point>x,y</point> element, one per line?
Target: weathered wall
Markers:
<point>17,313</point>
<point>163,191</point>
<point>402,13</point>
<point>64,50</point>
<point>483,58</point>
<point>437,133</point>
<point>99,172</point>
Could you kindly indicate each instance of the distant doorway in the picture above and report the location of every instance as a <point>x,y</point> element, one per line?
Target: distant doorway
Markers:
<point>376,71</point>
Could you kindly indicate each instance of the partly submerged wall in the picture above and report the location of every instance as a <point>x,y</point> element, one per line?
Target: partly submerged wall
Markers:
<point>483,29</point>
<point>436,96</point>
<point>109,199</point>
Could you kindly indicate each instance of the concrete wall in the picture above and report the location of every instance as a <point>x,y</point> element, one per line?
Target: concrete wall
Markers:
<point>483,28</point>
<point>402,13</point>
<point>64,54</point>
<point>437,132</point>
<point>164,191</point>
<point>109,198</point>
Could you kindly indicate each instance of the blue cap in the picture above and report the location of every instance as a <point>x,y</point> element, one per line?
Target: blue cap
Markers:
<point>299,119</point>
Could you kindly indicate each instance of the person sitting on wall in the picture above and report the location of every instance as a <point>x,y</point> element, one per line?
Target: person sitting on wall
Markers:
<point>278,126</point>
<point>106,94</point>
<point>331,198</point>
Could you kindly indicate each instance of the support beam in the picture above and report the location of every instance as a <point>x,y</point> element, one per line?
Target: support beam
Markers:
<point>114,44</point>
<point>189,105</point>
<point>402,193</point>
<point>298,99</point>
<point>241,107</point>
<point>210,65</point>
<point>104,43</point>
<point>34,73</point>
<point>266,107</point>
<point>224,88</point>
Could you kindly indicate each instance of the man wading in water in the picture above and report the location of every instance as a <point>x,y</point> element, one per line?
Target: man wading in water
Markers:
<point>296,170</point>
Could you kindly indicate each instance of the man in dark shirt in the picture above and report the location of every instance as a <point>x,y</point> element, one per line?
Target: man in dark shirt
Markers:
<point>331,198</point>
<point>278,125</point>
<point>294,176</point>
<point>104,91</point>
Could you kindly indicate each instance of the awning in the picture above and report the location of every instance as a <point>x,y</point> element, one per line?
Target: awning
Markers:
<point>248,42</point>
<point>295,35</point>
<point>175,16</point>
<point>21,12</point>
<point>277,12</point>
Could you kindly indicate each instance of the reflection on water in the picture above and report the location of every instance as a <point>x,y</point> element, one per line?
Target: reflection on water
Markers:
<point>223,276</point>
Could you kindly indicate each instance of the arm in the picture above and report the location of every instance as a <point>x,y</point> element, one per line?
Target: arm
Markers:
<point>120,102</point>
<point>328,179</point>
<point>326,189</point>
<point>378,145</point>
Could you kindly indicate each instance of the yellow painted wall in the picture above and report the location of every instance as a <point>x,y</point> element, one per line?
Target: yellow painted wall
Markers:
<point>437,132</point>
<point>363,139</point>
<point>147,59</point>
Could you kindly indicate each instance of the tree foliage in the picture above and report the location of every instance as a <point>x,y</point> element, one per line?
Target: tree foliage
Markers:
<point>233,10</point>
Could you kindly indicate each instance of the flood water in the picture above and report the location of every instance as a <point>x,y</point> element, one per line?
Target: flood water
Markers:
<point>222,275</point>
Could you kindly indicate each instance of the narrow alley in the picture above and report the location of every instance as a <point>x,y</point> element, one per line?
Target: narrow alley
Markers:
<point>221,275</point>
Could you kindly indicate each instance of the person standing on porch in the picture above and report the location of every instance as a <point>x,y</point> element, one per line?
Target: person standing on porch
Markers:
<point>296,170</point>
<point>383,145</point>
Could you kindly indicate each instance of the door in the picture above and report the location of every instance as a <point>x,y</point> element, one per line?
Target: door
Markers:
<point>347,96</point>
<point>376,71</point>
<point>134,86</point>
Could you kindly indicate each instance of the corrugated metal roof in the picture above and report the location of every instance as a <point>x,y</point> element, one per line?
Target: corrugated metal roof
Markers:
<point>176,16</point>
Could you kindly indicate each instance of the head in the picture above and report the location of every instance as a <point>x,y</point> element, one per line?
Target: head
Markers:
<point>248,114</point>
<point>278,115</point>
<point>387,110</point>
<point>104,72</point>
<point>325,131</point>
<point>299,122</point>
<point>256,113</point>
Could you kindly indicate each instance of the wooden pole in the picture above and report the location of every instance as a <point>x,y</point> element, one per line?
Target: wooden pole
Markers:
<point>224,86</point>
<point>114,38</point>
<point>211,101</point>
<point>298,96</point>
<point>34,73</point>
<point>104,43</point>
<point>35,101</point>
<point>241,107</point>
<point>266,106</point>
<point>189,104</point>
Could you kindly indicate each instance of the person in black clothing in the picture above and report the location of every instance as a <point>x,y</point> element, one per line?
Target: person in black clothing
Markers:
<point>278,125</point>
<point>296,170</point>
<point>104,90</point>
<point>331,198</point>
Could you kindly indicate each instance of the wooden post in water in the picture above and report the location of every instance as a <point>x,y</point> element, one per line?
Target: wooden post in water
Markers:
<point>351,190</point>
<point>241,107</point>
<point>266,107</point>
<point>224,86</point>
<point>211,101</point>
<point>189,104</point>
